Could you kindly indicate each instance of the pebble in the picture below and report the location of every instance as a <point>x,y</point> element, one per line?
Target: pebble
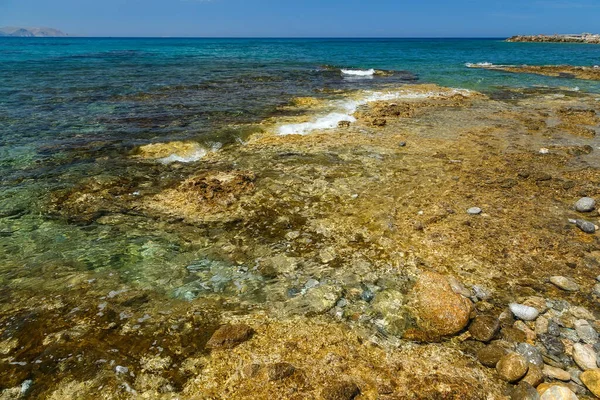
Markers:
<point>557,392</point>
<point>490,355</point>
<point>512,367</point>
<point>591,380</point>
<point>279,371</point>
<point>524,391</point>
<point>586,332</point>
<point>556,373</point>
<point>340,391</point>
<point>524,312</point>
<point>474,211</point>
<point>564,283</point>
<point>569,334</point>
<point>534,376</point>
<point>484,328</point>
<point>552,344</point>
<point>458,287</point>
<point>402,144</point>
<point>482,293</point>
<point>585,204</point>
<point>581,313</point>
<point>229,336</point>
<point>541,325</point>
<point>584,356</point>
<point>531,354</point>
<point>596,289</point>
<point>586,226</point>
<point>553,328</point>
<point>121,370</point>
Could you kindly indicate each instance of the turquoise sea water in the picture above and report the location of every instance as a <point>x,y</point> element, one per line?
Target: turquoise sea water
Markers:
<point>74,108</point>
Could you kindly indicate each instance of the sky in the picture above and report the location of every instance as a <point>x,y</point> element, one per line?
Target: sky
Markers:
<point>304,18</point>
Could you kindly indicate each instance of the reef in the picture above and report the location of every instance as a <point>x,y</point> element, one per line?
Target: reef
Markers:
<point>435,246</point>
<point>583,38</point>
<point>559,71</point>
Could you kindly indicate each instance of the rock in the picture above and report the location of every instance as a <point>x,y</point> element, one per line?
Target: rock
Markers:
<point>584,356</point>
<point>482,293</point>
<point>458,287</point>
<point>564,283</point>
<point>534,376</point>
<point>541,325</point>
<point>512,367</point>
<point>581,313</point>
<point>591,380</point>
<point>513,335</point>
<point>315,301</point>
<point>531,354</point>
<point>556,373</point>
<point>524,391</point>
<point>250,370</point>
<point>340,391</point>
<point>586,226</point>
<point>552,344</point>
<point>344,124</point>
<point>524,312</point>
<point>596,289</point>
<point>569,334</point>
<point>474,211</point>
<point>575,375</point>
<point>556,392</point>
<point>390,304</point>
<point>490,355</point>
<point>279,371</point>
<point>538,303</point>
<point>402,144</point>
<point>586,332</point>
<point>553,328</point>
<point>529,334</point>
<point>484,328</point>
<point>585,204</point>
<point>229,336</point>
<point>438,311</point>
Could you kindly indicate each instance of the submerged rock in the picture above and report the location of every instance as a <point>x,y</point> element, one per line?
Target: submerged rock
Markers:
<point>229,336</point>
<point>557,392</point>
<point>484,328</point>
<point>524,391</point>
<point>531,354</point>
<point>279,371</point>
<point>523,312</point>
<point>586,226</point>
<point>340,391</point>
<point>438,311</point>
<point>584,356</point>
<point>490,355</point>
<point>591,380</point>
<point>564,283</point>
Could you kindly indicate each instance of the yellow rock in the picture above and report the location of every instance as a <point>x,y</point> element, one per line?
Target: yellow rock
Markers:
<point>591,380</point>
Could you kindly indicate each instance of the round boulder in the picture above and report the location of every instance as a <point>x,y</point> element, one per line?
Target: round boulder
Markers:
<point>512,367</point>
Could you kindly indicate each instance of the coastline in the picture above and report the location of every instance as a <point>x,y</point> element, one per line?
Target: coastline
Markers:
<point>586,38</point>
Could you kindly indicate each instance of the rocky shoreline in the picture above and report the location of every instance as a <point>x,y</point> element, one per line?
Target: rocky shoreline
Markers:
<point>559,71</point>
<point>583,38</point>
<point>441,244</point>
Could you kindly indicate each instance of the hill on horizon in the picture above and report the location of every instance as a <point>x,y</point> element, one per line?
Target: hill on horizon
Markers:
<point>31,32</point>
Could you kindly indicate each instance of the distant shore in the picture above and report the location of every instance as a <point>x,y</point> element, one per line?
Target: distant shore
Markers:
<point>578,38</point>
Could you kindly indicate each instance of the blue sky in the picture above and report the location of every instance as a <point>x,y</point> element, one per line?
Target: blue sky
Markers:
<point>304,18</point>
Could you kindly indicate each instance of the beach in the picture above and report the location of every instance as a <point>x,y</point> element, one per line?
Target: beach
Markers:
<point>311,231</point>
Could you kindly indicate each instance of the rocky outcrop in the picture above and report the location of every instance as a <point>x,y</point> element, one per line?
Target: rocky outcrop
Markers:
<point>583,38</point>
<point>559,71</point>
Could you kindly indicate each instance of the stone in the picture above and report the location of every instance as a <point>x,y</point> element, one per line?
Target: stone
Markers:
<point>534,376</point>
<point>564,283</point>
<point>591,380</point>
<point>474,211</point>
<point>585,204</point>
<point>584,356</point>
<point>553,328</point>
<point>458,287</point>
<point>513,335</point>
<point>524,391</point>
<point>575,375</point>
<point>279,371</point>
<point>531,354</point>
<point>524,312</point>
<point>541,325</point>
<point>596,289</point>
<point>229,336</point>
<point>250,370</point>
<point>481,292</point>
<point>490,355</point>
<point>340,391</point>
<point>552,344</point>
<point>586,332</point>
<point>390,304</point>
<point>536,302</point>
<point>556,373</point>
<point>484,328</point>
<point>529,334</point>
<point>512,367</point>
<point>581,313</point>
<point>438,311</point>
<point>586,226</point>
<point>556,392</point>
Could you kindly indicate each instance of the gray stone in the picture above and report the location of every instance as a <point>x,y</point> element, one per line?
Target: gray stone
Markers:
<point>553,328</point>
<point>524,312</point>
<point>569,334</point>
<point>575,375</point>
<point>552,344</point>
<point>586,226</point>
<point>564,283</point>
<point>474,211</point>
<point>585,204</point>
<point>531,354</point>
<point>586,332</point>
<point>596,289</point>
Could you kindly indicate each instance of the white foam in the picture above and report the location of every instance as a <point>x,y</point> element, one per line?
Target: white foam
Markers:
<point>359,72</point>
<point>196,155</point>
<point>481,64</point>
<point>345,109</point>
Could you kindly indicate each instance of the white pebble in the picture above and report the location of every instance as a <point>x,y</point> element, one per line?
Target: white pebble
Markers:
<point>523,312</point>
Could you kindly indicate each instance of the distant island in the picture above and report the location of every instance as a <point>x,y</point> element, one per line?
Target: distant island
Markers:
<point>567,38</point>
<point>30,32</point>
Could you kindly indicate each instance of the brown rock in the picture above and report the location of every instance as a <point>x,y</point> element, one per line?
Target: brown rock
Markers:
<point>341,391</point>
<point>279,371</point>
<point>484,328</point>
<point>512,367</point>
<point>591,380</point>
<point>229,336</point>
<point>556,373</point>
<point>490,355</point>
<point>524,391</point>
<point>513,335</point>
<point>437,309</point>
<point>534,376</point>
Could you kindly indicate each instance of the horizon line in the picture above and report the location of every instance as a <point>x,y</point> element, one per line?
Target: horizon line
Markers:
<point>252,37</point>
